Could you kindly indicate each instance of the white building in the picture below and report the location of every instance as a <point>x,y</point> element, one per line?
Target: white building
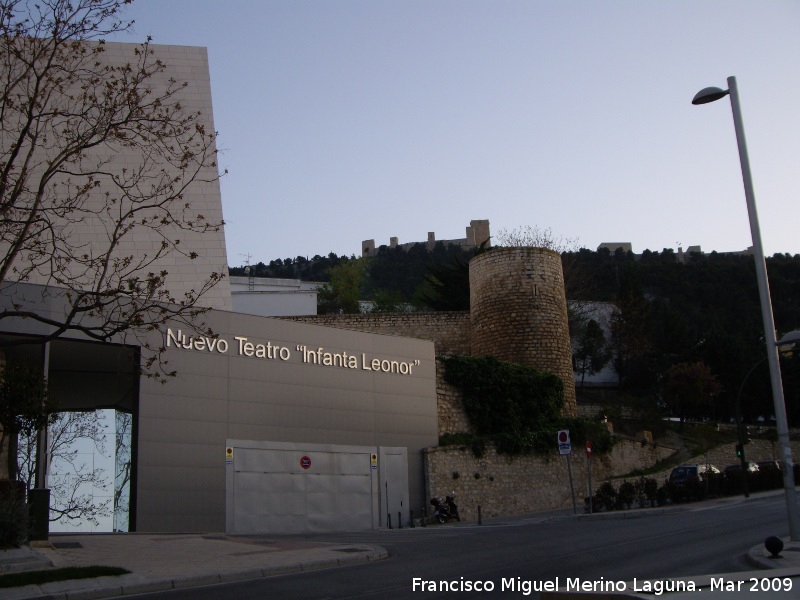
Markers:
<point>273,297</point>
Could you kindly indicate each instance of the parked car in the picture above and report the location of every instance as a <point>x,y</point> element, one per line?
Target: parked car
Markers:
<point>684,473</point>
<point>733,482</point>
<point>688,482</point>
<point>750,467</point>
<point>769,465</point>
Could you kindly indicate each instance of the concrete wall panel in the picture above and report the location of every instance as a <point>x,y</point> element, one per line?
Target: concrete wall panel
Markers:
<point>221,395</point>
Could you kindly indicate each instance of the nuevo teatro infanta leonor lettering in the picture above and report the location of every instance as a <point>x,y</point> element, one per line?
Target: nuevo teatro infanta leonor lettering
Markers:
<point>267,350</point>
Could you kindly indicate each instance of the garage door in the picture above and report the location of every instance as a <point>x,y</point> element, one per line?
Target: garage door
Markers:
<point>293,488</point>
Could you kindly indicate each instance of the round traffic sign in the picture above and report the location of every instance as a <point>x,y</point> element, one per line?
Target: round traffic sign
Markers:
<point>305,462</point>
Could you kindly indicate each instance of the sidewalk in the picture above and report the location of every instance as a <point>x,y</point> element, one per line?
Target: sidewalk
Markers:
<point>160,562</point>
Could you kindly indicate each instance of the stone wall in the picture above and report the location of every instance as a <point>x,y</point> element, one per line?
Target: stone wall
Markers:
<point>450,331</point>
<point>519,312</point>
<point>503,485</point>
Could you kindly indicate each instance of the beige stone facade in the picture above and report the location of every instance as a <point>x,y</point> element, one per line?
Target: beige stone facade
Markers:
<point>450,331</point>
<point>513,485</point>
<point>503,485</point>
<point>519,312</point>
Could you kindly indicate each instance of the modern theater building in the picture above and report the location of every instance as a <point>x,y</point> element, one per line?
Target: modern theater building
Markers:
<point>270,425</point>
<point>267,425</point>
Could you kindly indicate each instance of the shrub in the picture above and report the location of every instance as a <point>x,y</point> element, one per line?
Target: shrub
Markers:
<point>662,495</point>
<point>606,497</point>
<point>626,495</point>
<point>651,491</point>
<point>516,407</point>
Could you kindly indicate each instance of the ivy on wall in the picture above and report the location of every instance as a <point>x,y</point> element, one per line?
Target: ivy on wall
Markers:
<point>515,407</point>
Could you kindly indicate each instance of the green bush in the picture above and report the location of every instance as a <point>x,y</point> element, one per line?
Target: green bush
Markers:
<point>651,491</point>
<point>606,497</point>
<point>662,495</point>
<point>501,396</point>
<point>516,407</point>
<point>626,495</point>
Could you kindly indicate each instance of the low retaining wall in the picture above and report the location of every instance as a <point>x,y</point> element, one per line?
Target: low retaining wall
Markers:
<point>503,485</point>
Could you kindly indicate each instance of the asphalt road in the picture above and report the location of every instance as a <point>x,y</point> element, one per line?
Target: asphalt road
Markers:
<point>701,539</point>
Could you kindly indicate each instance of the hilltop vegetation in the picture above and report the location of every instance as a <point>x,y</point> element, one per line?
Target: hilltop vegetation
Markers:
<point>393,272</point>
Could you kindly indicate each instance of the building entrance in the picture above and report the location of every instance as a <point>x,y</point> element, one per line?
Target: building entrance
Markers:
<point>89,451</point>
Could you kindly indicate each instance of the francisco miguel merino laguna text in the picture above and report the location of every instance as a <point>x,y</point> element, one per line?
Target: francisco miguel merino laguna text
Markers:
<point>571,584</point>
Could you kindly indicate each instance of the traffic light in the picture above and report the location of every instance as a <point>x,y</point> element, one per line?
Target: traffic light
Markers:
<point>739,451</point>
<point>744,433</point>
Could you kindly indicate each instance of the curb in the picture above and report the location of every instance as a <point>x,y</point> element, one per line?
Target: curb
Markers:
<point>128,585</point>
<point>789,557</point>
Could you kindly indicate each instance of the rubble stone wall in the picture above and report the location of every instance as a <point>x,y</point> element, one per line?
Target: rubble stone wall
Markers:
<point>503,485</point>
<point>519,312</point>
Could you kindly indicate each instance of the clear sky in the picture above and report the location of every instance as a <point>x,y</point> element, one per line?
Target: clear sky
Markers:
<point>345,120</point>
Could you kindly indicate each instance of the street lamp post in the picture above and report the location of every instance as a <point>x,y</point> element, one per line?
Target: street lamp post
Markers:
<point>705,96</point>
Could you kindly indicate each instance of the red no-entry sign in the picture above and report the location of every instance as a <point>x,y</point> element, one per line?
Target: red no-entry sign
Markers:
<point>305,462</point>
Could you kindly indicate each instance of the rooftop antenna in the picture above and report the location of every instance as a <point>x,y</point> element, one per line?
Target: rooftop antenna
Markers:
<point>251,279</point>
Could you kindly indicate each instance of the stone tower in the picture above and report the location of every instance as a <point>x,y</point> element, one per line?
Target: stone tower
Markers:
<point>519,312</point>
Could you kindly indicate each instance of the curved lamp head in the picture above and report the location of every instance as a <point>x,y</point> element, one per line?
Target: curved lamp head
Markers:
<point>793,337</point>
<point>709,94</point>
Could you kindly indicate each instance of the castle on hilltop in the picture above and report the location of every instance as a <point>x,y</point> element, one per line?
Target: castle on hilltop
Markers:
<point>681,255</point>
<point>476,234</point>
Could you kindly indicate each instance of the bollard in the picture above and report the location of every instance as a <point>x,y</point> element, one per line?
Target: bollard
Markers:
<point>774,545</point>
<point>389,520</point>
<point>480,521</point>
<point>412,519</point>
<point>424,516</point>
<point>399,520</point>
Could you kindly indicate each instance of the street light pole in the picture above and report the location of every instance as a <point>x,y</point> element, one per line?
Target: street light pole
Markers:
<point>703,97</point>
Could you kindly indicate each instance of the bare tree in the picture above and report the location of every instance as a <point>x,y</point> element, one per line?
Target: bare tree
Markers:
<point>122,470</point>
<point>590,354</point>
<point>68,113</point>
<point>689,390</point>
<point>74,479</point>
<point>534,237</point>
<point>576,281</point>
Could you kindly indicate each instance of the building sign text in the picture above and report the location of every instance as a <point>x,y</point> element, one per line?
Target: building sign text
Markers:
<point>243,346</point>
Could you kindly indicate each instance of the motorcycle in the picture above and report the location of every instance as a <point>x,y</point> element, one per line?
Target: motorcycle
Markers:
<point>444,510</point>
